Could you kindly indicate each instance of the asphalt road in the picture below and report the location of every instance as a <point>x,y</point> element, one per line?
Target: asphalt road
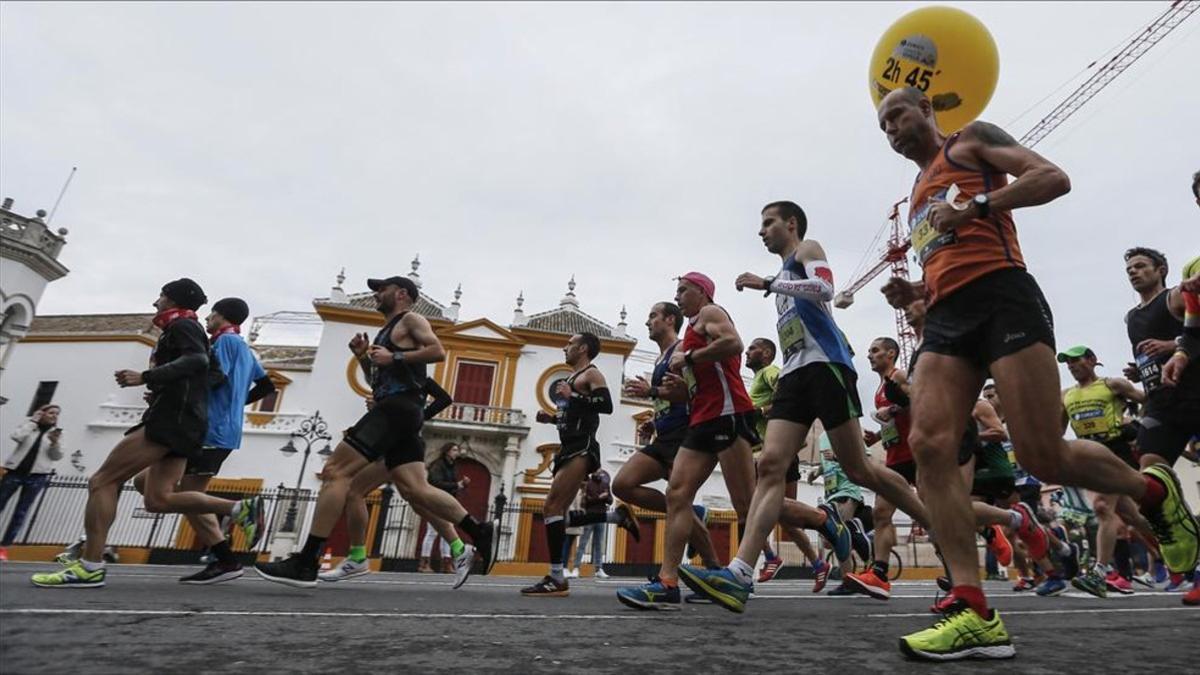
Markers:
<point>145,621</point>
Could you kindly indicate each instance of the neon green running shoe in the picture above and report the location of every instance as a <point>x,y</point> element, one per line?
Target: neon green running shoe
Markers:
<point>1174,527</point>
<point>74,575</point>
<point>251,518</point>
<point>960,634</point>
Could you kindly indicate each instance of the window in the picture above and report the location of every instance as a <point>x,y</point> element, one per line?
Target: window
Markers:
<point>473,383</point>
<point>269,402</point>
<point>44,394</point>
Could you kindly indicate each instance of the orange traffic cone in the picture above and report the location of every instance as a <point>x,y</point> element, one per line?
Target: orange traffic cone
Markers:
<point>327,560</point>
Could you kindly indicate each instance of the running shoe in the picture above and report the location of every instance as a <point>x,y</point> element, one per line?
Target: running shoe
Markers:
<point>251,518</point>
<point>1175,583</point>
<point>998,544</point>
<point>842,589</point>
<point>1023,584</point>
<point>1031,532</point>
<point>1070,562</point>
<point>1192,598</point>
<point>652,595</point>
<point>770,568</point>
<point>871,584</point>
<point>600,573</point>
<point>347,569</point>
<point>834,531</point>
<point>214,573</point>
<point>960,634</point>
<point>627,522</point>
<point>297,571</point>
<point>71,553</point>
<point>720,585</point>
<point>1146,580</point>
<point>820,570</point>
<point>487,545</point>
<point>548,587</point>
<point>463,562</point>
<point>1174,527</point>
<point>858,539</point>
<point>1052,586</point>
<point>74,575</point>
<point>1091,582</point>
<point>207,557</point>
<point>1161,574</point>
<point>1118,583</point>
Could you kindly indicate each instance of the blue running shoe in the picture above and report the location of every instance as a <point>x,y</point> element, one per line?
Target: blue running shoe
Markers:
<point>653,595</point>
<point>836,533</point>
<point>719,585</point>
<point>1052,586</point>
<point>1161,575</point>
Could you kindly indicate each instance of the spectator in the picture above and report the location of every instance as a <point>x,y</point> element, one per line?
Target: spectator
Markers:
<point>442,476</point>
<point>29,467</point>
<point>597,497</point>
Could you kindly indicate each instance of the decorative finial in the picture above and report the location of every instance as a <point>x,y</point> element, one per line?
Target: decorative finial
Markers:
<point>341,277</point>
<point>414,274</point>
<point>521,299</point>
<point>457,293</point>
<point>518,313</point>
<point>571,285</point>
<point>623,314</point>
<point>569,298</point>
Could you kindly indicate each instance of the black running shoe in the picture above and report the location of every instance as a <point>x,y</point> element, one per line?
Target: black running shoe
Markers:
<point>628,522</point>
<point>487,545</point>
<point>858,539</point>
<point>297,571</point>
<point>215,573</point>
<point>548,587</point>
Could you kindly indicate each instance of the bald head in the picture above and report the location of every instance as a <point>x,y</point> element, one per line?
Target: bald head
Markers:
<point>906,118</point>
<point>906,95</point>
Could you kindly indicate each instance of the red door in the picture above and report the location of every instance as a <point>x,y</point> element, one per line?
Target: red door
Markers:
<point>474,498</point>
<point>473,385</point>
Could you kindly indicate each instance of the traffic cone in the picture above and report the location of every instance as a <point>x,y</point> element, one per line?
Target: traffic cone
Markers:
<point>327,560</point>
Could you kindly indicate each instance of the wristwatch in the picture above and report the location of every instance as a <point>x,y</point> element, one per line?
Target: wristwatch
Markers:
<point>768,281</point>
<point>398,358</point>
<point>983,207</point>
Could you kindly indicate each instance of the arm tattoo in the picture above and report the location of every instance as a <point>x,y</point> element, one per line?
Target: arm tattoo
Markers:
<point>991,134</point>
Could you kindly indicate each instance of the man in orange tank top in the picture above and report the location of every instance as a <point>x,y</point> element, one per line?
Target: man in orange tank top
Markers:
<point>986,313</point>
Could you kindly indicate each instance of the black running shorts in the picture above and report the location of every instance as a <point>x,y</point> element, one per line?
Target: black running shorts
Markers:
<point>1122,449</point>
<point>665,446</point>
<point>824,391</point>
<point>1166,432</point>
<point>907,469</point>
<point>569,449</point>
<point>391,431</point>
<point>718,434</point>
<point>998,314</point>
<point>208,463</point>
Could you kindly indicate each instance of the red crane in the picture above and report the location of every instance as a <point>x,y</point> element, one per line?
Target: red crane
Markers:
<point>895,250</point>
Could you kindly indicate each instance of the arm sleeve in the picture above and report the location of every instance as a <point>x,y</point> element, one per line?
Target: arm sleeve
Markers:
<point>441,399</point>
<point>818,287</point>
<point>599,400</point>
<point>194,357</point>
<point>262,387</point>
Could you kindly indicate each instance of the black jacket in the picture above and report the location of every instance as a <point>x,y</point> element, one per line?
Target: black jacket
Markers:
<point>442,476</point>
<point>178,380</point>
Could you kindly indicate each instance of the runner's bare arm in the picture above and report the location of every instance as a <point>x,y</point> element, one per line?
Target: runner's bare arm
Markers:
<point>991,430</point>
<point>724,340</point>
<point>429,348</point>
<point>1039,180</point>
<point>1125,389</point>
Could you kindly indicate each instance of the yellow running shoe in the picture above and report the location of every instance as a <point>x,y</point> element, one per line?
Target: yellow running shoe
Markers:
<point>1174,527</point>
<point>74,575</point>
<point>960,634</point>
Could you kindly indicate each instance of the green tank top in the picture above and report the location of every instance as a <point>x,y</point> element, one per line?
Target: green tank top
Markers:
<point>1094,411</point>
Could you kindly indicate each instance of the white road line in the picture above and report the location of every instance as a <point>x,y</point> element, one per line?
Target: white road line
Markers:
<point>1011,612</point>
<point>373,615</point>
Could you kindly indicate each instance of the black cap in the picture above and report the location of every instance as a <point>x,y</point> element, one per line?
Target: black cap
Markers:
<point>185,293</point>
<point>234,310</point>
<point>403,282</point>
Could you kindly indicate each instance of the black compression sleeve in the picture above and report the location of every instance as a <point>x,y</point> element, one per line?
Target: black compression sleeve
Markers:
<point>599,401</point>
<point>262,387</point>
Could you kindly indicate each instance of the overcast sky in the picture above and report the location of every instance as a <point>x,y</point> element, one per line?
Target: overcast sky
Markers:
<point>258,148</point>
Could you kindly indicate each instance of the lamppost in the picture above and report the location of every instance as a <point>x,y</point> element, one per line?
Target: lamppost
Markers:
<point>311,430</point>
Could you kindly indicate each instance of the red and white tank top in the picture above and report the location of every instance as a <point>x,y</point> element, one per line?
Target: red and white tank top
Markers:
<point>716,386</point>
<point>893,433</point>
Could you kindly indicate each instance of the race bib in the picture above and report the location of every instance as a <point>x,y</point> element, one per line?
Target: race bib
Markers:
<point>791,332</point>
<point>690,378</point>
<point>1150,371</point>
<point>925,239</point>
<point>889,434</point>
<point>661,407</point>
<point>1090,422</point>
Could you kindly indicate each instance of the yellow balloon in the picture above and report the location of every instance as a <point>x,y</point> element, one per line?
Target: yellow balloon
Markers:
<point>943,51</point>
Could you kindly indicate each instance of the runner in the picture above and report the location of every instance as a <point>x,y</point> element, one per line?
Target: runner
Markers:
<point>987,313</point>
<point>395,365</point>
<point>244,382</point>
<point>721,430</point>
<point>1093,409</point>
<point>817,382</point>
<point>171,433</point>
<point>581,399</point>
<point>670,424</point>
<point>847,498</point>
<point>760,357</point>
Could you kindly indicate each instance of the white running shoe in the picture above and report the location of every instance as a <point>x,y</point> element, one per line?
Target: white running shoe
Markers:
<point>462,566</point>
<point>348,569</point>
<point>600,573</point>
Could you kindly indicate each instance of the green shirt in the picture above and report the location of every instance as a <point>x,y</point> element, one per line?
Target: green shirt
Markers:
<point>837,485</point>
<point>762,390</point>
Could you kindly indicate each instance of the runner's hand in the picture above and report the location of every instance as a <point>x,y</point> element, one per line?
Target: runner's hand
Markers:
<point>870,437</point>
<point>1191,285</point>
<point>638,387</point>
<point>1173,370</point>
<point>672,386</point>
<point>943,217</point>
<point>380,356</point>
<point>359,344</point>
<point>1131,372</point>
<point>544,417</point>
<point>750,280</point>
<point>677,362</point>
<point>128,378</point>
<point>1155,348</point>
<point>562,390</point>
<point>900,293</point>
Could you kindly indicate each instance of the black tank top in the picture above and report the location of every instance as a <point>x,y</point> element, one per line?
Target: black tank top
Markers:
<point>394,379</point>
<point>1155,321</point>
<point>575,421</point>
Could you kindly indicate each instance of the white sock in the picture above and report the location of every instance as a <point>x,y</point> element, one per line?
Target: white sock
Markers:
<point>91,566</point>
<point>743,571</point>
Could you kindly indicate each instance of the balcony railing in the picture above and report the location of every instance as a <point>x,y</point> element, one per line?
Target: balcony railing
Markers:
<point>483,415</point>
<point>125,416</point>
<point>33,233</point>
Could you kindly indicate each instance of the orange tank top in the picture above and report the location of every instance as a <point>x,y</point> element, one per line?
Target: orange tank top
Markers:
<point>953,259</point>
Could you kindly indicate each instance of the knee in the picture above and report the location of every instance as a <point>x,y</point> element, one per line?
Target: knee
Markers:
<point>622,488</point>
<point>679,496</point>
<point>882,513</point>
<point>1102,508</point>
<point>156,502</point>
<point>933,445</point>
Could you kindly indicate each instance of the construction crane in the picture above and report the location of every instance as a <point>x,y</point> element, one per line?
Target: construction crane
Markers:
<point>894,254</point>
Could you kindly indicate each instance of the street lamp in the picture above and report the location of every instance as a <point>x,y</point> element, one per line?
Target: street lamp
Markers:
<point>311,430</point>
